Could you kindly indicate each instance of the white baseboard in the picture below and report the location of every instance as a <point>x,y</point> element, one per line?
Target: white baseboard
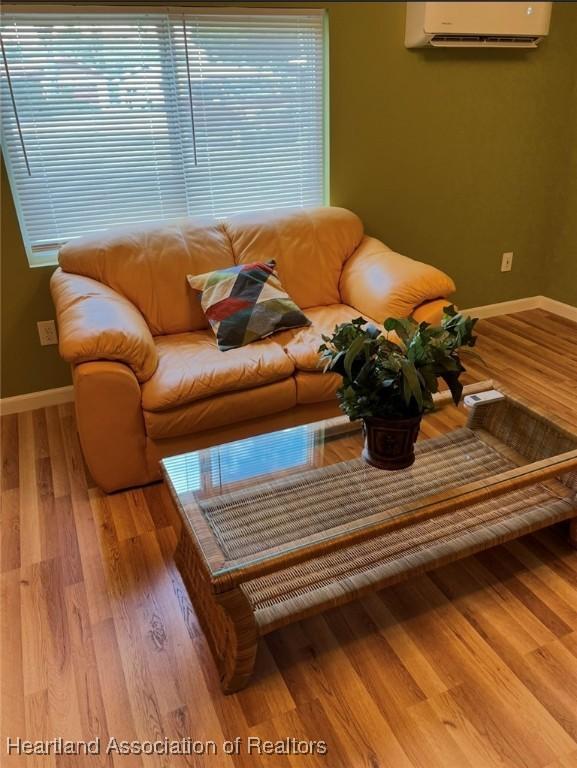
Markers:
<point>49,397</point>
<point>504,307</point>
<point>521,305</point>
<point>34,400</point>
<point>558,308</point>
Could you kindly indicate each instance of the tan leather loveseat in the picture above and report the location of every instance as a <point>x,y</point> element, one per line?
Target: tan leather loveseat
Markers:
<point>148,378</point>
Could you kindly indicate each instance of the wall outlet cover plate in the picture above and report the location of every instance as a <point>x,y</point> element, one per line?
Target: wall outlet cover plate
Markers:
<point>47,332</point>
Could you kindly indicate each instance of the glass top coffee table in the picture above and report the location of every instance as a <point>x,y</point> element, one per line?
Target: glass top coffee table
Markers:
<point>283,525</point>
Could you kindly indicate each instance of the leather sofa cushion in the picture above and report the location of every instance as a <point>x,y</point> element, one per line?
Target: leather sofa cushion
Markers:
<point>221,410</point>
<point>191,367</point>
<point>302,345</point>
<point>148,265</point>
<point>316,387</point>
<point>309,245</point>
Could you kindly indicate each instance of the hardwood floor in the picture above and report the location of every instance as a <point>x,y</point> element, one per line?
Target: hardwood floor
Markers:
<point>472,666</point>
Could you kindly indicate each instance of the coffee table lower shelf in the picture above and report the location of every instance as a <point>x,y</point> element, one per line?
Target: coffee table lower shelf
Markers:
<point>234,620</point>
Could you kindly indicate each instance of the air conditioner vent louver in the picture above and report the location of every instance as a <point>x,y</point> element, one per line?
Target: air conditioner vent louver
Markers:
<point>523,41</point>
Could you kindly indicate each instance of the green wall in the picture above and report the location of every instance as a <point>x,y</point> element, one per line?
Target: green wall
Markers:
<point>26,366</point>
<point>561,270</point>
<point>451,157</point>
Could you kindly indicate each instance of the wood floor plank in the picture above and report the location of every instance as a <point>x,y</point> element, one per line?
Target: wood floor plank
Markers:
<point>568,761</point>
<point>543,670</point>
<point>152,630</point>
<point>38,727</point>
<point>63,702</point>
<point>480,750</point>
<point>488,714</point>
<point>162,614</point>
<point>145,707</point>
<point>392,688</point>
<point>544,579</point>
<point>12,699</point>
<point>33,630</point>
<point>533,588</point>
<point>112,684</point>
<point>533,553</point>
<point>484,609</point>
<point>60,479</point>
<point>69,551</point>
<point>556,546</point>
<point>85,524</point>
<point>419,667</point>
<point>433,739</point>
<point>30,522</point>
<point>91,711</point>
<point>9,451</point>
<point>489,690</point>
<point>10,530</point>
<point>570,642</point>
<point>374,736</point>
<point>472,666</point>
<point>550,673</point>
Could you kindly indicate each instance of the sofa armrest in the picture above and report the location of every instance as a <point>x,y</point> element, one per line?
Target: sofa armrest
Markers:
<point>431,312</point>
<point>96,323</point>
<point>381,283</point>
<point>111,426</point>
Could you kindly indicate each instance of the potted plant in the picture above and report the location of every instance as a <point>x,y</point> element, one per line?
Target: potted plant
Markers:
<point>389,377</point>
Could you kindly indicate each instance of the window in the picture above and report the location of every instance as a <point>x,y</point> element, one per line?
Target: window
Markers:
<point>120,118</point>
<point>229,467</point>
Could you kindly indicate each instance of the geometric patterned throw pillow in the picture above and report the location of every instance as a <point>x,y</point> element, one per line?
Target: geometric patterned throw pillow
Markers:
<point>245,303</point>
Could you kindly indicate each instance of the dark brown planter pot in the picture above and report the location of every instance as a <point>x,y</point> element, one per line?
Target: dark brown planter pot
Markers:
<point>390,443</point>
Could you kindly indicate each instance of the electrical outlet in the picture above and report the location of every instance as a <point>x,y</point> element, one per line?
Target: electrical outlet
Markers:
<point>47,332</point>
<point>507,261</point>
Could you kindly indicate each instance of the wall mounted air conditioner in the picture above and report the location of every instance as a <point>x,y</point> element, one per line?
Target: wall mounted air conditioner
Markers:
<point>476,25</point>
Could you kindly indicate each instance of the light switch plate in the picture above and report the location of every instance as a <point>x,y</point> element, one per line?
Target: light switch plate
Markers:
<point>507,262</point>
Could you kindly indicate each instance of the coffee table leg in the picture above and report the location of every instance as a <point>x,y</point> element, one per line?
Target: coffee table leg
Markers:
<point>573,532</point>
<point>238,652</point>
<point>226,618</point>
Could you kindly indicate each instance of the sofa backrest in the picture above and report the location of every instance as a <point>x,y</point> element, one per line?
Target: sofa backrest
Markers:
<point>309,245</point>
<point>148,265</point>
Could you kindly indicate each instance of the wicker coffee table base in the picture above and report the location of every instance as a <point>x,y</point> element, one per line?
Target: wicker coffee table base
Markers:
<point>227,619</point>
<point>233,620</point>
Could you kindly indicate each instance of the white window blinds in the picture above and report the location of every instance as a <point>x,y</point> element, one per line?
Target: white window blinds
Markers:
<point>121,118</point>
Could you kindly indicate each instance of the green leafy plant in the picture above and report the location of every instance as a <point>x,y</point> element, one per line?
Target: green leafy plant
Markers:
<point>395,378</point>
